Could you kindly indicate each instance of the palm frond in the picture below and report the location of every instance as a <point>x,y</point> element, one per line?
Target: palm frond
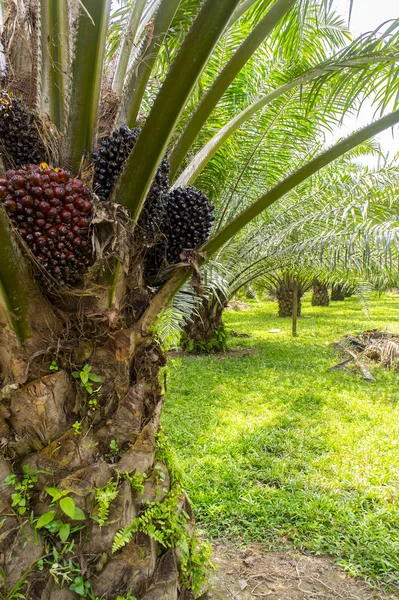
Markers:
<point>159,126</point>
<point>367,66</point>
<point>89,49</point>
<point>55,59</point>
<point>225,78</point>
<point>296,178</point>
<point>129,37</point>
<point>144,60</point>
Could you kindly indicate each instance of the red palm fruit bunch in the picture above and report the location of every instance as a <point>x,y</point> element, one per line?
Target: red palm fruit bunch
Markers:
<point>52,212</point>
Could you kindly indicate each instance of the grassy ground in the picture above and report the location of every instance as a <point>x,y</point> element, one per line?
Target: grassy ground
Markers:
<point>278,450</point>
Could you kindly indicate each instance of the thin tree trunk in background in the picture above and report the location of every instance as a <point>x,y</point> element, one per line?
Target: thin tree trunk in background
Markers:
<point>294,308</point>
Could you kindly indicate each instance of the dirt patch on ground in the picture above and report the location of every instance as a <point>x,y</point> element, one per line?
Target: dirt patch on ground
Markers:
<point>239,335</point>
<point>237,305</point>
<point>237,353</point>
<point>252,572</point>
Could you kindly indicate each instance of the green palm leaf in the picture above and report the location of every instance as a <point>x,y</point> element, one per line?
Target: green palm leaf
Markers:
<point>89,50</point>
<point>55,67</point>
<point>142,163</point>
<point>228,74</point>
<point>143,65</point>
<point>364,64</point>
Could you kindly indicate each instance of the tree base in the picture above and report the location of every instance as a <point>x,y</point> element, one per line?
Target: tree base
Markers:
<point>103,511</point>
<point>285,298</point>
<point>337,293</point>
<point>205,332</point>
<point>216,341</point>
<point>320,296</point>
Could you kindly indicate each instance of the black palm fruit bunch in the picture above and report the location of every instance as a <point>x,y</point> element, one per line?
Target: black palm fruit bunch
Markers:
<point>109,159</point>
<point>186,225</point>
<point>155,202</point>
<point>52,212</point>
<point>108,163</point>
<point>20,142</point>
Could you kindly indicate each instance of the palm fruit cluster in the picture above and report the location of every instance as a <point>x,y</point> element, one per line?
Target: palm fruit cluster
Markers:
<point>108,163</point>
<point>52,213</point>
<point>171,221</point>
<point>186,225</point>
<point>20,143</point>
<point>155,204</point>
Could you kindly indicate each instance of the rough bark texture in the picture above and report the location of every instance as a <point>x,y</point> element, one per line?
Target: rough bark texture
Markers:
<point>320,296</point>
<point>205,331</point>
<point>79,442</point>
<point>285,297</point>
<point>337,293</point>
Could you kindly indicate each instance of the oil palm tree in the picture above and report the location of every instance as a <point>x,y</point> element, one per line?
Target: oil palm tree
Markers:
<point>92,250</point>
<point>338,229</point>
<point>320,294</point>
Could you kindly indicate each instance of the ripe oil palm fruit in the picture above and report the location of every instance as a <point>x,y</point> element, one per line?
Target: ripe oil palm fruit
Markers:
<point>92,504</point>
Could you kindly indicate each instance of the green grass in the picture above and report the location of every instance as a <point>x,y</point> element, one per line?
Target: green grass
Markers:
<point>278,450</point>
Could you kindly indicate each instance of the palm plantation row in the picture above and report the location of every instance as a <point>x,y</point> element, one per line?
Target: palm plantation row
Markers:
<point>338,230</point>
<point>98,236</point>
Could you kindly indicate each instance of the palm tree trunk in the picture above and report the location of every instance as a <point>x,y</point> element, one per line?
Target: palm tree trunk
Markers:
<point>285,297</point>
<point>80,443</point>
<point>337,293</point>
<point>320,296</point>
<point>205,332</point>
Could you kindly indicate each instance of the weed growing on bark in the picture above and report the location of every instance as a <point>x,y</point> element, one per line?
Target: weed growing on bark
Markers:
<point>22,489</point>
<point>87,380</point>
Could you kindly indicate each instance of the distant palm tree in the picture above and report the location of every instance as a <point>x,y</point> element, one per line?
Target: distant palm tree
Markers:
<point>338,229</point>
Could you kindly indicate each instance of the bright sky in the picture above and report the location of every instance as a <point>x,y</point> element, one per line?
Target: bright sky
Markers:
<point>366,16</point>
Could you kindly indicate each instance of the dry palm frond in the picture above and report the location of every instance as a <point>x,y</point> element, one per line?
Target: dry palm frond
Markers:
<point>374,345</point>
